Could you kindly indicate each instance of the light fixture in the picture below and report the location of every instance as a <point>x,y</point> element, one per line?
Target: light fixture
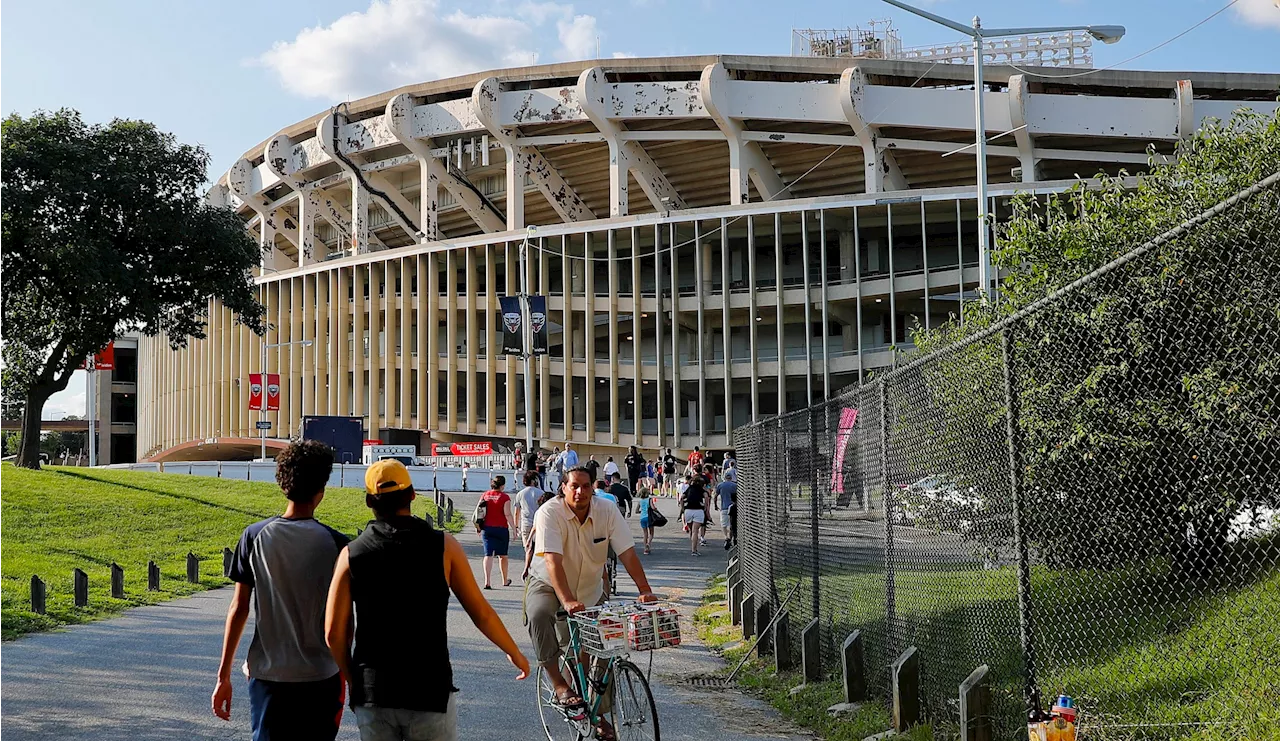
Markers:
<point>879,300</point>
<point>644,316</point>
<point>628,337</point>
<point>631,401</point>
<point>759,319</point>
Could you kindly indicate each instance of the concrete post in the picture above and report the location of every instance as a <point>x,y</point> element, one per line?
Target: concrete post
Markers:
<point>853,669</point>
<point>905,676</point>
<point>748,615</point>
<point>735,603</point>
<point>80,582</point>
<point>117,581</point>
<point>975,707</point>
<point>153,577</point>
<point>193,568</point>
<point>733,571</point>
<point>811,652</point>
<point>227,557</point>
<point>448,509</point>
<point>782,643</point>
<point>38,594</point>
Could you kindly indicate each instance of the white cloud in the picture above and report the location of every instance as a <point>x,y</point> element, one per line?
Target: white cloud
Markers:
<point>1259,12</point>
<point>399,42</point>
<point>67,401</point>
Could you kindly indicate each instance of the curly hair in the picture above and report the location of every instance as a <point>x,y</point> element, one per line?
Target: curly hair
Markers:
<point>303,469</point>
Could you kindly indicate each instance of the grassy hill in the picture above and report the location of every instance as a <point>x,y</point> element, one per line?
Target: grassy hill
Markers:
<point>59,519</point>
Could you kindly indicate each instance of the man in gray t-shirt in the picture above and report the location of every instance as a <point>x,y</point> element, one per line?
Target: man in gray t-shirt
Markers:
<point>283,566</point>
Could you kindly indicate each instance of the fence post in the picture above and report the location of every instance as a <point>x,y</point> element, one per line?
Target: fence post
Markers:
<point>227,557</point>
<point>853,670</point>
<point>38,594</point>
<point>735,602</point>
<point>811,652</point>
<point>448,509</point>
<point>117,581</point>
<point>153,577</point>
<point>975,707</point>
<point>782,642</point>
<point>1026,617</point>
<point>80,585</point>
<point>764,614</point>
<point>815,505</point>
<point>890,600</point>
<point>193,568</point>
<point>905,677</point>
<point>748,610</point>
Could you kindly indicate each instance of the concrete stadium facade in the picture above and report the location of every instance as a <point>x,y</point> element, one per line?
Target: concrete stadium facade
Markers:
<point>719,238</point>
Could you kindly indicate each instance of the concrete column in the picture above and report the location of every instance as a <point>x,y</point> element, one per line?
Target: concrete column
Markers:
<point>430,325</point>
<point>570,337</point>
<point>589,325</point>
<point>451,337</point>
<point>544,361</point>
<point>675,339</point>
<point>426,321</point>
<point>407,269</point>
<point>511,288</point>
<point>613,338</point>
<point>359,405</point>
<point>473,335</point>
<point>492,348</point>
<point>390,331</point>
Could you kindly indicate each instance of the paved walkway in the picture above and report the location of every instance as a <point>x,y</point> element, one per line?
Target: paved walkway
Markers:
<point>148,674</point>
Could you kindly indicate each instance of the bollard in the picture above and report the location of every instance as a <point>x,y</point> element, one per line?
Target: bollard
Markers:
<point>748,611</point>
<point>810,652</point>
<point>735,603</point>
<point>153,577</point>
<point>975,707</point>
<point>448,510</point>
<point>227,557</point>
<point>764,613</point>
<point>81,587</point>
<point>782,642</point>
<point>733,572</point>
<point>427,517</point>
<point>853,671</point>
<point>905,676</point>
<point>38,593</point>
<point>117,581</point>
<point>193,568</point>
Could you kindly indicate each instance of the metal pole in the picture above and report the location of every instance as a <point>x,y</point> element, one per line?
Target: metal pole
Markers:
<point>91,405</point>
<point>262,401</point>
<point>525,308</point>
<point>890,593</point>
<point>980,136</point>
<point>1026,621</point>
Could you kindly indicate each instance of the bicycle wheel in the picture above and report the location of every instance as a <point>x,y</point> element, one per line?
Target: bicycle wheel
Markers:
<point>557,725</point>
<point>634,712</point>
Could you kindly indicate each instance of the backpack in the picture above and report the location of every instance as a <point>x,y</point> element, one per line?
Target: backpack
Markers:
<point>482,511</point>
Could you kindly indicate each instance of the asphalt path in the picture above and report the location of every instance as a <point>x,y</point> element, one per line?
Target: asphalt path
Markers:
<point>149,673</point>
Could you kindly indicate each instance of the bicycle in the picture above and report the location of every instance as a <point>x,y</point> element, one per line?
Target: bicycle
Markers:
<point>611,575</point>
<point>608,634</point>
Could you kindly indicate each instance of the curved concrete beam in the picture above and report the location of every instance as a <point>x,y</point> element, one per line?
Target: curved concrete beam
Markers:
<point>881,167</point>
<point>746,159</point>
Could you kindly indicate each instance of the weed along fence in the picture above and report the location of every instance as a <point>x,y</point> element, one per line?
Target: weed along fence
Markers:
<point>1080,499</point>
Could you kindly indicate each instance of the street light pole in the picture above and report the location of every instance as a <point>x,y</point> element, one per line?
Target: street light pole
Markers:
<point>1105,34</point>
<point>527,327</point>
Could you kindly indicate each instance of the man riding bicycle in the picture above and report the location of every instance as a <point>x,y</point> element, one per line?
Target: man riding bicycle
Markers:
<point>573,535</point>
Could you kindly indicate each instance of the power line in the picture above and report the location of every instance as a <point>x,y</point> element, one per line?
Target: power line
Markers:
<point>1215,14</point>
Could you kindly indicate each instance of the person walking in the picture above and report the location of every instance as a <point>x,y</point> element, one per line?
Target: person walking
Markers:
<point>694,463</point>
<point>610,468</point>
<point>726,493</point>
<point>635,465</point>
<point>694,514</point>
<point>570,458</point>
<point>495,529</point>
<point>669,482</point>
<point>282,566</point>
<point>644,506</point>
<point>555,469</point>
<point>593,467</point>
<point>620,492</point>
<point>400,674</point>
<point>526,505</point>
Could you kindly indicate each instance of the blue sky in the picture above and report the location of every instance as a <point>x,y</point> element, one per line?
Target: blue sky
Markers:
<point>228,75</point>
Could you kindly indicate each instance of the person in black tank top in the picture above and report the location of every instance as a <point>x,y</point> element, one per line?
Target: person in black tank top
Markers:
<point>398,575</point>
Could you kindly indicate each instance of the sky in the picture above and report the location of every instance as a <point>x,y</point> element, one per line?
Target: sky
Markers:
<point>231,74</point>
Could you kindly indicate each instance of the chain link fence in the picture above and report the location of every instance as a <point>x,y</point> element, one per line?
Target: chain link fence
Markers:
<point>1085,497</point>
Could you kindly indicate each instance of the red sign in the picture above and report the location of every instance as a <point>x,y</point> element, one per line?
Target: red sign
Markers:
<point>462,449</point>
<point>273,392</point>
<point>105,359</point>
<point>255,391</point>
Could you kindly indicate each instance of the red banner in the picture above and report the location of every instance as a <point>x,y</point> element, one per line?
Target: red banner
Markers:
<point>484,448</point>
<point>104,359</point>
<point>273,392</point>
<point>255,391</point>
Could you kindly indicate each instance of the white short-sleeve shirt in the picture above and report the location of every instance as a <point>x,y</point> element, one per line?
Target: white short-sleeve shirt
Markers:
<point>584,546</point>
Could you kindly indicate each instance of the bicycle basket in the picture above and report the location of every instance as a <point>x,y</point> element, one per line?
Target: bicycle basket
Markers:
<point>616,629</point>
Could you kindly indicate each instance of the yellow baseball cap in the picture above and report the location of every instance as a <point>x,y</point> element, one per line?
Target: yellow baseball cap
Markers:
<point>387,476</point>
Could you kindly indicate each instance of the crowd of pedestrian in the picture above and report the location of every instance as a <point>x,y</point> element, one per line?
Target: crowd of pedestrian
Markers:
<point>364,621</point>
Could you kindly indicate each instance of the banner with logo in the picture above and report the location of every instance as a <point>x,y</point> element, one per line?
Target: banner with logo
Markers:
<point>512,325</point>
<point>538,323</point>
<point>255,391</point>
<point>485,448</point>
<point>273,392</point>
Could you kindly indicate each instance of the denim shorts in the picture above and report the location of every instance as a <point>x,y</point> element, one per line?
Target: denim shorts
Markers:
<point>392,724</point>
<point>286,710</point>
<point>497,540</point>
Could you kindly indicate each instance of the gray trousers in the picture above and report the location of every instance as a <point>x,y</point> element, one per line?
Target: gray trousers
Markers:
<point>550,636</point>
<point>391,724</point>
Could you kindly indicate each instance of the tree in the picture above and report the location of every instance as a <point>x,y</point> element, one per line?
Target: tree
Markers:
<point>105,232</point>
<point>1149,399</point>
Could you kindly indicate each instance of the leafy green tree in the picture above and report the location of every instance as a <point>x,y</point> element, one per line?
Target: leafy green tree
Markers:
<point>105,232</point>
<point>1149,399</point>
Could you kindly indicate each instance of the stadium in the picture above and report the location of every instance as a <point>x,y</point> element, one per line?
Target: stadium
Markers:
<point>719,239</point>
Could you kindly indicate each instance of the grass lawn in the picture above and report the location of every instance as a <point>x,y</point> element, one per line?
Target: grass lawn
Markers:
<point>808,707</point>
<point>58,519</point>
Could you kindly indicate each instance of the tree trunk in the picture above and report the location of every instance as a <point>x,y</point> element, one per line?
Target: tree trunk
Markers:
<point>29,445</point>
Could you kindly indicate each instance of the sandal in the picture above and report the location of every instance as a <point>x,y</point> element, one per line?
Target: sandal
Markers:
<point>487,587</point>
<point>604,731</point>
<point>508,583</point>
<point>573,707</point>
